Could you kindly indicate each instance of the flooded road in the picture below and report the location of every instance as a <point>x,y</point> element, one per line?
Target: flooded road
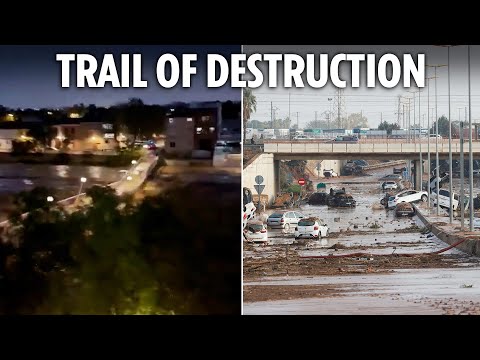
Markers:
<point>62,179</point>
<point>279,280</point>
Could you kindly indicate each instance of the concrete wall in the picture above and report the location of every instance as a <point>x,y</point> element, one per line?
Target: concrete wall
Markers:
<point>262,165</point>
<point>179,133</point>
<point>336,165</point>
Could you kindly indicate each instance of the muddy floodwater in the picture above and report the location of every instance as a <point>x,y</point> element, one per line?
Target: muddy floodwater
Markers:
<point>381,277</point>
<point>64,180</point>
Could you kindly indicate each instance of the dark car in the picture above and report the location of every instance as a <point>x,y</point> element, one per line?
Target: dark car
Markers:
<point>339,198</point>
<point>399,170</point>
<point>404,209</point>
<point>351,169</point>
<point>386,197</point>
<point>319,198</point>
<point>346,139</point>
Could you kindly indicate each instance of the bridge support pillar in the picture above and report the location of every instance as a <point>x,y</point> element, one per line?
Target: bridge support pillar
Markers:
<point>276,175</point>
<point>417,173</point>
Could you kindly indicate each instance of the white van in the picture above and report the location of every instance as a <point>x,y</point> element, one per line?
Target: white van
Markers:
<point>444,199</point>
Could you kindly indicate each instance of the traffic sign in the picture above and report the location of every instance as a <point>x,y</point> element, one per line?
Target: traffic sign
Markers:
<point>321,186</point>
<point>259,188</point>
<point>301,182</point>
<point>259,179</point>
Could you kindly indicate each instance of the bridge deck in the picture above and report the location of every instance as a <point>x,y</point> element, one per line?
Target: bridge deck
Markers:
<point>388,150</point>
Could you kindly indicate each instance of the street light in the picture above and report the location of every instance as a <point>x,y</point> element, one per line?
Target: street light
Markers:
<point>428,139</point>
<point>83,180</point>
<point>50,198</point>
<point>134,162</point>
<point>450,187</point>
<point>330,113</point>
<point>437,172</point>
<point>470,151</point>
<point>418,176</point>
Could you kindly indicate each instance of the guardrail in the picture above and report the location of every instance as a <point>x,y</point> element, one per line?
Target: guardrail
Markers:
<point>384,164</point>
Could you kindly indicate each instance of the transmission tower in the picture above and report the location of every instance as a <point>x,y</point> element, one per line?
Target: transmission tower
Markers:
<point>339,108</point>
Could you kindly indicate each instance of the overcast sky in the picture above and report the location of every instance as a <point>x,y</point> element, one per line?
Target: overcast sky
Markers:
<point>379,102</point>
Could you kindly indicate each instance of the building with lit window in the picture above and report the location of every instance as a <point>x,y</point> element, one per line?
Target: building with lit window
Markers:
<point>192,130</point>
<point>83,136</point>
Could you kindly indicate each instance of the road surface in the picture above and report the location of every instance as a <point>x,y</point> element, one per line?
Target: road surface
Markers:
<point>277,280</point>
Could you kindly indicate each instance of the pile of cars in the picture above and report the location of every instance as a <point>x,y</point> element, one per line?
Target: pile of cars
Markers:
<point>402,201</point>
<point>354,167</point>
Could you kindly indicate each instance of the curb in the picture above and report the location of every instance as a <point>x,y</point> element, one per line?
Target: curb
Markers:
<point>469,246</point>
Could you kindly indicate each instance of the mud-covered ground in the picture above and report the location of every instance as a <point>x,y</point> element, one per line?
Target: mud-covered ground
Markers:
<point>366,243</point>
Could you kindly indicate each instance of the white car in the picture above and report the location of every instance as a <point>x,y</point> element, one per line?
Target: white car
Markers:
<point>311,228</point>
<point>284,219</point>
<point>256,231</point>
<point>301,137</point>
<point>409,196</point>
<point>330,173</point>
<point>444,199</point>
<point>389,185</point>
<point>436,136</point>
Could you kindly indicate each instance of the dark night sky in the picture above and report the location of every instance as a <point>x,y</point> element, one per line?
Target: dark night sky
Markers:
<point>30,76</point>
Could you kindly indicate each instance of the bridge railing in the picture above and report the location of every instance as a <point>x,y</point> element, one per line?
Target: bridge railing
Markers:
<point>363,147</point>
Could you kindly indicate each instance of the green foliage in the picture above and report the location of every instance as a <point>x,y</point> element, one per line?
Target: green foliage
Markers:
<point>164,255</point>
<point>296,189</point>
<point>388,126</point>
<point>443,126</point>
<point>26,201</point>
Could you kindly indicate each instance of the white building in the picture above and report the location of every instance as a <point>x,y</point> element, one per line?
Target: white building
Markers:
<point>7,136</point>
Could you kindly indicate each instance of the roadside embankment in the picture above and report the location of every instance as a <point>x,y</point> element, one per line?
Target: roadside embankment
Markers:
<point>449,233</point>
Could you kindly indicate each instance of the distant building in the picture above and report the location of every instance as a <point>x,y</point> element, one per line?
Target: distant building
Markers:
<point>83,136</point>
<point>193,131</point>
<point>10,131</point>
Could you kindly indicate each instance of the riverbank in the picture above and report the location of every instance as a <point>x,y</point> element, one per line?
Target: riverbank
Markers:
<point>63,158</point>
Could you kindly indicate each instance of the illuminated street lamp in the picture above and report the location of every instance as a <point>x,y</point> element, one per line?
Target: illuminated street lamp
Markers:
<point>82,181</point>
<point>50,198</point>
<point>134,162</point>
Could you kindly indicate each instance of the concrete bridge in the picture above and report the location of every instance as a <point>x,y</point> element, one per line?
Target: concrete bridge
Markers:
<point>381,149</point>
<point>268,163</point>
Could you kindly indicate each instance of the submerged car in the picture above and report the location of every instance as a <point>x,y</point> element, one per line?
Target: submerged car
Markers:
<point>404,209</point>
<point>319,198</point>
<point>284,219</point>
<point>399,170</point>
<point>339,198</point>
<point>256,231</point>
<point>311,228</point>
<point>389,185</point>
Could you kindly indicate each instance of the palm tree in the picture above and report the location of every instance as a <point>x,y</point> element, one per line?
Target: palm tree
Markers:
<point>249,106</point>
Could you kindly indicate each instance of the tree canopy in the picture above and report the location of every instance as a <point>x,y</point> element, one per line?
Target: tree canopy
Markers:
<point>163,255</point>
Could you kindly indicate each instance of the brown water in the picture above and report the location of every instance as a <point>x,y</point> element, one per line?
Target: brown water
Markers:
<point>64,180</point>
